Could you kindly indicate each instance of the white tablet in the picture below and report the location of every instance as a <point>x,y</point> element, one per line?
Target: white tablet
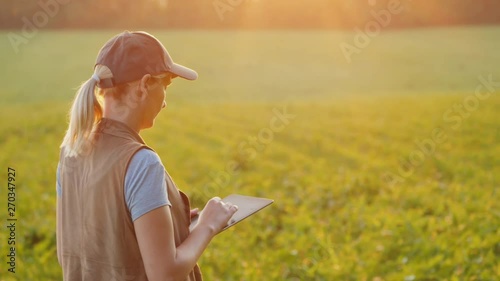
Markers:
<point>247,206</point>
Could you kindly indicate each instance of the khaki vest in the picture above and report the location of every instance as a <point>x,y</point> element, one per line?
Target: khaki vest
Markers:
<point>95,233</point>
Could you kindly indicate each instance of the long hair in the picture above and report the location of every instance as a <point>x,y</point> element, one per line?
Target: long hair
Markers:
<point>85,112</point>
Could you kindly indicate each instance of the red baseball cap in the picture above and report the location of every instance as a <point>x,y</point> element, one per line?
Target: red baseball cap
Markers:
<point>131,55</point>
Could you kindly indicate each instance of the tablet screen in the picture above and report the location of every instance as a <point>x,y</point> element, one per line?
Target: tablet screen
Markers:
<point>247,206</point>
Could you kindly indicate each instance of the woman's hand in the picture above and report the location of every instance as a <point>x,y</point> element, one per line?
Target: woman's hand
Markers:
<point>216,214</point>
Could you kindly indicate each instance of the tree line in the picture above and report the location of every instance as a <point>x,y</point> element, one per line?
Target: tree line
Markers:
<point>254,14</point>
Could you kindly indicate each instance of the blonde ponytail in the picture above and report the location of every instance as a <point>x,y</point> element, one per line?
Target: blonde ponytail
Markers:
<point>85,112</point>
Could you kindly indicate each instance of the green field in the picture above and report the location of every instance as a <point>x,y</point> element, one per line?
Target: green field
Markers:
<point>363,189</point>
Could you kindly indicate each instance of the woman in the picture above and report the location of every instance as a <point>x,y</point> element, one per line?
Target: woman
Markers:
<point>119,214</point>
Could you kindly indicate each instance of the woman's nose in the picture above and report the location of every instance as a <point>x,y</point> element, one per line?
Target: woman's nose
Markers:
<point>164,104</point>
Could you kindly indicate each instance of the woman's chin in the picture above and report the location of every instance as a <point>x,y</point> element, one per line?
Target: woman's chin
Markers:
<point>147,125</point>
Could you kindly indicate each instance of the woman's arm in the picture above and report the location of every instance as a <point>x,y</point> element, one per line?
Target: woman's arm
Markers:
<point>154,231</point>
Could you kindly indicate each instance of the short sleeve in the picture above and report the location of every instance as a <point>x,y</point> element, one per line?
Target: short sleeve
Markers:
<point>145,186</point>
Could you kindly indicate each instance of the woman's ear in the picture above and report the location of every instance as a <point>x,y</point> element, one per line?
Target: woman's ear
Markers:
<point>143,85</point>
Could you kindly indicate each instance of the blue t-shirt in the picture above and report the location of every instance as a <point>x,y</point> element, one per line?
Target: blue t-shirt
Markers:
<point>145,186</point>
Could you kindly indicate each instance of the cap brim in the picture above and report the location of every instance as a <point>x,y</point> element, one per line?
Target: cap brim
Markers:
<point>184,72</point>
